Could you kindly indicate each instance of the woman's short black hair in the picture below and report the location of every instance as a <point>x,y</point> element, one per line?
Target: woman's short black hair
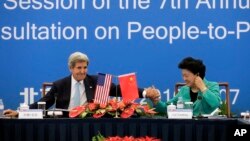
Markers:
<point>195,66</point>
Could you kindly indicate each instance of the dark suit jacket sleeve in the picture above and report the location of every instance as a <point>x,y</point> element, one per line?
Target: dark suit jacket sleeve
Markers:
<point>61,90</point>
<point>49,98</point>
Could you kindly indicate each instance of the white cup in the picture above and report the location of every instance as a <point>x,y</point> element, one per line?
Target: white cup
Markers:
<point>42,105</point>
<point>171,107</point>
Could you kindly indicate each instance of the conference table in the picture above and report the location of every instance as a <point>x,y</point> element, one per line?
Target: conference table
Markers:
<point>77,129</point>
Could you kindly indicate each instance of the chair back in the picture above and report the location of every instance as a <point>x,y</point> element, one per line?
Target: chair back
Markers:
<point>45,85</point>
<point>221,84</point>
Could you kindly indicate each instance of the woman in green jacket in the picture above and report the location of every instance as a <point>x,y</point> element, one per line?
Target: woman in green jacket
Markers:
<point>204,94</point>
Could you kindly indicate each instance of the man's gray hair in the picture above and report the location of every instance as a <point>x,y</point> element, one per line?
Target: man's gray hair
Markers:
<point>77,57</point>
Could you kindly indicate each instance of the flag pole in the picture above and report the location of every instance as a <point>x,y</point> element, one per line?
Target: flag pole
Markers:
<point>116,97</point>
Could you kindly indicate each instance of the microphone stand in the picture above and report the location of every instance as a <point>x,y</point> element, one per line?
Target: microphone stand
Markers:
<point>54,106</point>
<point>54,113</point>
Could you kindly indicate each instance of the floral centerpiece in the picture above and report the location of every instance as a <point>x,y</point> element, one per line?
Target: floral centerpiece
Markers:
<point>100,137</point>
<point>113,108</point>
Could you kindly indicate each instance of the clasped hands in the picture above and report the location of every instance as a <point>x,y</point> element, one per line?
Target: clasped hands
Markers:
<point>153,94</point>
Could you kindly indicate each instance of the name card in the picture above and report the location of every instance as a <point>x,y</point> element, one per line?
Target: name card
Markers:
<point>31,114</point>
<point>55,113</point>
<point>180,114</point>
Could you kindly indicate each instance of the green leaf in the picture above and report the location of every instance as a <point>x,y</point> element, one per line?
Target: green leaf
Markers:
<point>83,115</point>
<point>94,138</point>
<point>100,111</point>
<point>98,137</point>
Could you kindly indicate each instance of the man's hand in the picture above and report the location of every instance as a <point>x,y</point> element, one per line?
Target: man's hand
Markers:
<point>10,113</point>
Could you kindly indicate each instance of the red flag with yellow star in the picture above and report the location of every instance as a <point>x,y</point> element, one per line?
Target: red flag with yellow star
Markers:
<point>128,86</point>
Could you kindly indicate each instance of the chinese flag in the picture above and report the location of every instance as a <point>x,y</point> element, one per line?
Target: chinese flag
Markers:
<point>128,86</point>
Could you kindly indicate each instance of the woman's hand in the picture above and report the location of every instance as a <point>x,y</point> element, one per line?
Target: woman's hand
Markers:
<point>200,84</point>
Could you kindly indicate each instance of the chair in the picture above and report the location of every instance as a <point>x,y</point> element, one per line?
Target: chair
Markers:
<point>45,85</point>
<point>221,84</point>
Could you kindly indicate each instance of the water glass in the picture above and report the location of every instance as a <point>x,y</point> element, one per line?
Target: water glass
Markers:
<point>1,107</point>
<point>189,105</point>
<point>42,106</point>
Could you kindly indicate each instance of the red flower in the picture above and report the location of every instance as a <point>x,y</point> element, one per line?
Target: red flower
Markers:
<point>128,138</point>
<point>76,111</point>
<point>131,138</point>
<point>128,112</point>
<point>134,105</point>
<point>103,106</point>
<point>100,137</point>
<point>113,105</point>
<point>147,110</point>
<point>92,106</point>
<point>99,113</point>
<point>121,105</point>
<point>113,108</point>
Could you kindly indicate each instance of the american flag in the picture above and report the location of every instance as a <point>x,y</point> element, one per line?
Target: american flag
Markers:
<point>103,88</point>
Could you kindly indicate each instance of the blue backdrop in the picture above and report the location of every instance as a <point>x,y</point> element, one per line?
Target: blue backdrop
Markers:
<point>149,38</point>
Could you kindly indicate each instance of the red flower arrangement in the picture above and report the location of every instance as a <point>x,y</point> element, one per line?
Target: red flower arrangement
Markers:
<point>114,108</point>
<point>100,137</point>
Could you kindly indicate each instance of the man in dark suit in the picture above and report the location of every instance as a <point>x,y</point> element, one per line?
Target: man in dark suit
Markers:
<point>62,90</point>
<point>65,91</point>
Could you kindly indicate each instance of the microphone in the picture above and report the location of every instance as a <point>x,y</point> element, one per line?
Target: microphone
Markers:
<point>55,113</point>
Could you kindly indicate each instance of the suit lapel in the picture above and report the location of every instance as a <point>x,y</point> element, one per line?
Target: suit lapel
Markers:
<point>89,88</point>
<point>67,90</point>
